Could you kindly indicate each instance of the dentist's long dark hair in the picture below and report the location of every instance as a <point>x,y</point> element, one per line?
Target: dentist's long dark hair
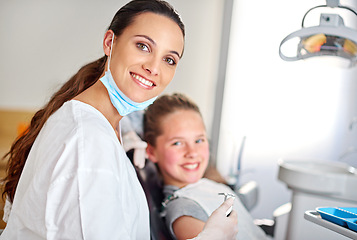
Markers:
<point>83,79</point>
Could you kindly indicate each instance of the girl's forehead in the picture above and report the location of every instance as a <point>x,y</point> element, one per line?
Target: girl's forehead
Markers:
<point>181,120</point>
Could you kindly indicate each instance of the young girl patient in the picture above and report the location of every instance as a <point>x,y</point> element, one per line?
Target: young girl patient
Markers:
<point>178,144</point>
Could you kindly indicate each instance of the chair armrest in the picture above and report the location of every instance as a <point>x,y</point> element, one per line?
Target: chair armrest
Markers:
<point>248,194</point>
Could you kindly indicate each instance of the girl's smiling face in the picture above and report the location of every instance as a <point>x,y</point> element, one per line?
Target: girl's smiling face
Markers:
<point>182,150</point>
<point>144,57</point>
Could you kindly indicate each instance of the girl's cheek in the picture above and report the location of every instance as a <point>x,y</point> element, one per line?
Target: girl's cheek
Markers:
<point>205,152</point>
<point>171,157</point>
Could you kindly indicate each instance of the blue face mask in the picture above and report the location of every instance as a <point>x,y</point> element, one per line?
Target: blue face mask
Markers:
<point>122,103</point>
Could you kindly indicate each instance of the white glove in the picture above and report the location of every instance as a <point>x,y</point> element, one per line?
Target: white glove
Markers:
<point>220,227</point>
<point>7,210</point>
<point>132,141</point>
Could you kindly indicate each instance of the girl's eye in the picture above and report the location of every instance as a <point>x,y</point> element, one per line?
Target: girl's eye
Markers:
<point>176,143</point>
<point>142,47</point>
<point>170,61</point>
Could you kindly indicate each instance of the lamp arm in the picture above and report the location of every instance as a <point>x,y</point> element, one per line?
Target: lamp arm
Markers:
<point>350,9</point>
<point>303,19</point>
<point>331,4</point>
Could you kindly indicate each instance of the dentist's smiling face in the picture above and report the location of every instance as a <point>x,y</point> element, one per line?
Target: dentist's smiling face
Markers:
<point>145,56</point>
<point>182,150</point>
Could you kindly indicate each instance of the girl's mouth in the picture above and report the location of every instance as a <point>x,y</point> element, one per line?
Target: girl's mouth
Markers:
<point>190,166</point>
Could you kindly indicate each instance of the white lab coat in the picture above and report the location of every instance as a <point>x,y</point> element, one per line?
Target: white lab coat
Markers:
<point>78,183</point>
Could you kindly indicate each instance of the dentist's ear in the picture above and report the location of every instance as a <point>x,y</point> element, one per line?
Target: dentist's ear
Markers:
<point>150,152</point>
<point>107,42</point>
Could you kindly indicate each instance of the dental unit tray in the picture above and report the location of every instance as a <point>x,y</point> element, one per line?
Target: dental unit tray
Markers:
<point>343,216</point>
<point>342,220</point>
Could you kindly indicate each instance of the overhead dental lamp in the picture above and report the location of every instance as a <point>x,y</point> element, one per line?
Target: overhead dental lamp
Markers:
<point>330,38</point>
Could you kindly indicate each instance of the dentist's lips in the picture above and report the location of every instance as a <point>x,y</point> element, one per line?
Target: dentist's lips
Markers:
<point>142,81</point>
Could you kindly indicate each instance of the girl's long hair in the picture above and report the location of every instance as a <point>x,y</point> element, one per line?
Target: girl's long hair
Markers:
<point>83,79</point>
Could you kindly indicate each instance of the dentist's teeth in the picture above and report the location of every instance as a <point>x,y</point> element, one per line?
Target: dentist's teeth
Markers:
<point>142,80</point>
<point>191,166</point>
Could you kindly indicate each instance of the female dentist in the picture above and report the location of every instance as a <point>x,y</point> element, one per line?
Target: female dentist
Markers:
<point>68,175</point>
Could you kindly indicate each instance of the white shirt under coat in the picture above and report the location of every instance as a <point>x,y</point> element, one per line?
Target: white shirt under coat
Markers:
<point>78,183</point>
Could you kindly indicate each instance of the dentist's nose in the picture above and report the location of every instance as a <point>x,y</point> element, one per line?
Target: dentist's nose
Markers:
<point>152,66</point>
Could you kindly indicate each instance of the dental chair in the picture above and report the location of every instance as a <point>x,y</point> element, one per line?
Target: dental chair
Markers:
<point>152,185</point>
<point>147,173</point>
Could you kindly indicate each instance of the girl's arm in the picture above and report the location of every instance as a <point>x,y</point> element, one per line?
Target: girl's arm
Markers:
<point>218,225</point>
<point>187,227</point>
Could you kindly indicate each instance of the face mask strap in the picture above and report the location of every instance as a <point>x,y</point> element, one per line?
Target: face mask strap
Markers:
<point>110,54</point>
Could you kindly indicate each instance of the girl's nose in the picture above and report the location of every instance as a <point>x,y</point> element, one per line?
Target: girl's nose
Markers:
<point>191,151</point>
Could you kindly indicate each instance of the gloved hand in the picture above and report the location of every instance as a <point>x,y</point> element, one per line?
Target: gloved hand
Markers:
<point>220,227</point>
<point>132,141</point>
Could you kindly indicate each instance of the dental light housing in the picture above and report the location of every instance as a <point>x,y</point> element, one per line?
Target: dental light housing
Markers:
<point>330,38</point>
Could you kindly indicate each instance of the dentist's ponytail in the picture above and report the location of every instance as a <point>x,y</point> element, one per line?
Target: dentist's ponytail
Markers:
<point>20,149</point>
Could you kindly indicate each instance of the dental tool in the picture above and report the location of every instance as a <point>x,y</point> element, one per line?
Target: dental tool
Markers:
<point>226,196</point>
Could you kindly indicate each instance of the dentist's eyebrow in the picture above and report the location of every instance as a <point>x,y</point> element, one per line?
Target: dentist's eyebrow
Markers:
<point>154,43</point>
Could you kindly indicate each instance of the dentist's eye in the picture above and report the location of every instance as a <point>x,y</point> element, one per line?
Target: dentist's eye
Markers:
<point>170,61</point>
<point>142,47</point>
<point>201,140</point>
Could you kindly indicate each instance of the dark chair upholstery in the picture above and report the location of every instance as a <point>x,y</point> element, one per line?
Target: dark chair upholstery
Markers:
<point>152,185</point>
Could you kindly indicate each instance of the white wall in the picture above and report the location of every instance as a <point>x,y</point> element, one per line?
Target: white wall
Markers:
<point>43,43</point>
<point>285,109</point>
